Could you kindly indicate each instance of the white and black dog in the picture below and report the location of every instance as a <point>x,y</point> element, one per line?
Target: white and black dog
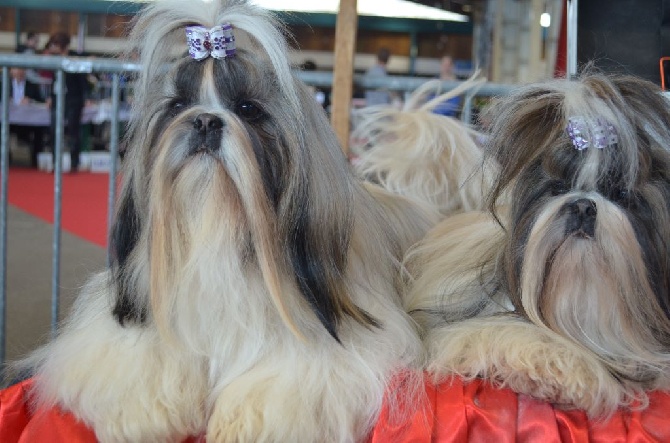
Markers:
<point>563,294</point>
<point>254,293</point>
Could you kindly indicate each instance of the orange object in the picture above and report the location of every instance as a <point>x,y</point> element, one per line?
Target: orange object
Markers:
<point>459,412</point>
<point>664,65</point>
<point>452,412</point>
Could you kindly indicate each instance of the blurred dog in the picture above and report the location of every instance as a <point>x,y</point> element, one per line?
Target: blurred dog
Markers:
<point>415,152</point>
<point>563,295</point>
<point>254,289</point>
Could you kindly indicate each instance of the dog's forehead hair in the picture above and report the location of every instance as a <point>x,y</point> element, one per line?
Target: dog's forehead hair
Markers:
<point>187,79</point>
<point>223,82</point>
<point>193,81</point>
<point>247,75</point>
<point>208,93</point>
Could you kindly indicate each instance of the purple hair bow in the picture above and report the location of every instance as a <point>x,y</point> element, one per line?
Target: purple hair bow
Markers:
<point>584,134</point>
<point>218,41</point>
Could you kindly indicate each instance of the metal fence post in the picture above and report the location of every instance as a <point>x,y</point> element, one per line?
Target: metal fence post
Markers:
<point>4,165</point>
<point>58,181</point>
<point>113,154</point>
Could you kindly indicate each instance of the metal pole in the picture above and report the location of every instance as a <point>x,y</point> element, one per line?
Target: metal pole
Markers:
<point>81,32</point>
<point>572,38</point>
<point>113,154</point>
<point>17,20</point>
<point>58,180</point>
<point>4,165</point>
<point>466,111</point>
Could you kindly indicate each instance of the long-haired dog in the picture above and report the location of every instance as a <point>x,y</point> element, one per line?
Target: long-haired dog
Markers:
<point>563,294</point>
<point>426,156</point>
<point>254,291</point>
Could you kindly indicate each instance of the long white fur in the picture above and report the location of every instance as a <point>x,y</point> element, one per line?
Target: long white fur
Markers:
<point>588,330</point>
<point>230,348</point>
<point>598,312</point>
<point>415,152</point>
<point>513,353</point>
<point>471,334</point>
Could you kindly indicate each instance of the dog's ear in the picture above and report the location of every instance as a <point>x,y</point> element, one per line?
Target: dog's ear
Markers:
<point>319,221</point>
<point>124,238</point>
<point>529,118</point>
<point>318,258</point>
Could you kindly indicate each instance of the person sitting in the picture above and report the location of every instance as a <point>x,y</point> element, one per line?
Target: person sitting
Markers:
<point>23,92</point>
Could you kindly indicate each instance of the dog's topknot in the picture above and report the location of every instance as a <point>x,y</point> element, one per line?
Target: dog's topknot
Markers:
<point>532,122</point>
<point>158,38</point>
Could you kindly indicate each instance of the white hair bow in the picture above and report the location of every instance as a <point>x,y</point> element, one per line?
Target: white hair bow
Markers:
<point>218,42</point>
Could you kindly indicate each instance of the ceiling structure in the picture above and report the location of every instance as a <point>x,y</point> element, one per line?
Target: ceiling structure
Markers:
<point>446,20</point>
<point>373,8</point>
<point>465,7</point>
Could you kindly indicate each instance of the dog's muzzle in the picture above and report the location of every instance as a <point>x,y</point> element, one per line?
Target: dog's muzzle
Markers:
<point>206,133</point>
<point>581,217</point>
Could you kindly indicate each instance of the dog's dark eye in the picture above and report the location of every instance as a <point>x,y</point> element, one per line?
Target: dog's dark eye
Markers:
<point>249,111</point>
<point>620,195</point>
<point>558,187</point>
<point>175,106</point>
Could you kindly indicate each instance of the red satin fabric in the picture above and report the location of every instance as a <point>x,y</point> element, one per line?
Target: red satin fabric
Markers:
<point>474,412</point>
<point>18,423</point>
<point>453,412</point>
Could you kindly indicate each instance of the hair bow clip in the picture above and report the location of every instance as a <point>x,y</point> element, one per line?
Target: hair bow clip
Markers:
<point>599,134</point>
<point>218,42</point>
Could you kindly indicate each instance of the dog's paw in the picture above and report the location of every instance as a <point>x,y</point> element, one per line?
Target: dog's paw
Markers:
<point>134,424</point>
<point>527,359</point>
<point>242,424</point>
<point>122,382</point>
<point>573,380</point>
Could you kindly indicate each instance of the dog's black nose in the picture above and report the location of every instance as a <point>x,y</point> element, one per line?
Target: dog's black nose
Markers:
<point>581,217</point>
<point>206,135</point>
<point>207,122</point>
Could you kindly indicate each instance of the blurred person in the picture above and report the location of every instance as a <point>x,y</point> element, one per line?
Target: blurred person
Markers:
<point>29,46</point>
<point>23,92</point>
<point>452,106</point>
<point>320,95</point>
<point>447,68</point>
<point>379,69</point>
<point>76,86</point>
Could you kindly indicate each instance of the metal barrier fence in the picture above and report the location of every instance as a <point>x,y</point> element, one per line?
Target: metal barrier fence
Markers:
<point>408,84</point>
<point>61,66</point>
<point>64,65</point>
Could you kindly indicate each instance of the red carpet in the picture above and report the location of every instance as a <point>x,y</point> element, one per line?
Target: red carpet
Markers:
<point>84,200</point>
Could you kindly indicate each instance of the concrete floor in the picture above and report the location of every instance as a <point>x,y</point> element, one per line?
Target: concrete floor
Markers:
<point>29,269</point>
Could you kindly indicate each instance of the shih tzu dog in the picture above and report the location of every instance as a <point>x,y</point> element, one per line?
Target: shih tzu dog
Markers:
<point>418,153</point>
<point>564,293</point>
<point>254,293</point>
